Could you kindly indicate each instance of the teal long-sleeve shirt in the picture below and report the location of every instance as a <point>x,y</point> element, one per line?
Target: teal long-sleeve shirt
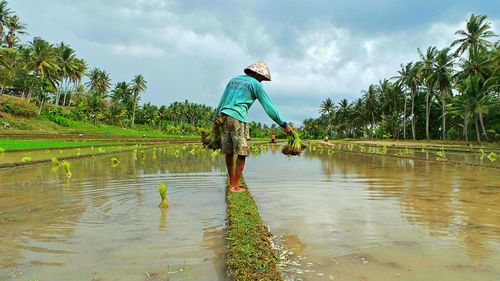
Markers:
<point>239,95</point>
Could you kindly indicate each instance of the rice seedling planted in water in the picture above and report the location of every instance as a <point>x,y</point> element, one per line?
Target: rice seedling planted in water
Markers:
<point>2,150</point>
<point>26,159</point>
<point>115,161</point>
<point>294,145</point>
<point>162,188</point>
<point>55,162</point>
<point>441,155</point>
<point>492,156</point>
<point>66,165</point>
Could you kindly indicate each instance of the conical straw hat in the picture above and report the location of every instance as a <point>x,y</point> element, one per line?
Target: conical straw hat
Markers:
<point>261,68</point>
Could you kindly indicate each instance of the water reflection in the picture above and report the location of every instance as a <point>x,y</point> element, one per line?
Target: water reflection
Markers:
<point>347,206</point>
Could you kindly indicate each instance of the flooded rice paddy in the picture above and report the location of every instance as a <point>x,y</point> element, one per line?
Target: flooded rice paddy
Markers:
<point>10,157</point>
<point>104,223</point>
<point>336,216</point>
<point>351,216</point>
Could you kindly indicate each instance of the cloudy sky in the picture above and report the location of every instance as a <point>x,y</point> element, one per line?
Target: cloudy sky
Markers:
<point>189,49</point>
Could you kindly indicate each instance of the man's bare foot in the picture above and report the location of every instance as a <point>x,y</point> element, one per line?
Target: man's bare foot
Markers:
<point>237,189</point>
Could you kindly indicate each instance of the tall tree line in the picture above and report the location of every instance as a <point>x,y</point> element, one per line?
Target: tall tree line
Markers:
<point>61,84</point>
<point>438,96</point>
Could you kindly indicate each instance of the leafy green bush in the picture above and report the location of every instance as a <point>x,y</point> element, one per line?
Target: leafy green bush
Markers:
<point>380,132</point>
<point>60,116</point>
<point>452,134</point>
<point>60,120</point>
<point>19,108</point>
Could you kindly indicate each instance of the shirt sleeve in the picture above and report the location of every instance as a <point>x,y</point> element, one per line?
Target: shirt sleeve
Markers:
<point>268,106</point>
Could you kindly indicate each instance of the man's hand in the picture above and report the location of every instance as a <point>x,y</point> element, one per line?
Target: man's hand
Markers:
<point>288,129</point>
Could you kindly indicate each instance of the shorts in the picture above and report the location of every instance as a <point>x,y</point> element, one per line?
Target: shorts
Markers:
<point>235,137</point>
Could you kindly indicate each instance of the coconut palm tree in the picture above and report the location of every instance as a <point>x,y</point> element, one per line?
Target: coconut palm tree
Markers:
<point>476,31</point>
<point>359,118</point>
<point>479,62</point>
<point>343,112</point>
<point>99,82</point>
<point>162,115</point>
<point>76,73</point>
<point>16,28</point>
<point>40,58</point>
<point>138,86</point>
<point>67,62</point>
<point>327,108</point>
<point>385,96</point>
<point>442,75</point>
<point>95,107</point>
<point>426,72</point>
<point>409,76</point>
<point>472,100</point>
<point>9,59</point>
<point>371,105</point>
<point>121,93</point>
<point>4,14</point>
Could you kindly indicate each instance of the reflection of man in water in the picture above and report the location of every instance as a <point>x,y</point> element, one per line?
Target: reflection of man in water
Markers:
<point>239,95</point>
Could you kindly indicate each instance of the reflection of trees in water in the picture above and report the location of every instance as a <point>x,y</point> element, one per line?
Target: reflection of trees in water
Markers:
<point>479,219</point>
<point>176,159</point>
<point>449,200</point>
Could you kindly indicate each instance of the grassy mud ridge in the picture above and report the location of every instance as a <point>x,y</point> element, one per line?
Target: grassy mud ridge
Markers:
<point>249,253</point>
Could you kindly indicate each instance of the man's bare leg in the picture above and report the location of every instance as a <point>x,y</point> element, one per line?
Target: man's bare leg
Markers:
<point>240,165</point>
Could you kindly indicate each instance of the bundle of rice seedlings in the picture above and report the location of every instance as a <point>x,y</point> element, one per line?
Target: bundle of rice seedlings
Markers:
<point>212,139</point>
<point>66,165</point>
<point>294,145</point>
<point>162,188</point>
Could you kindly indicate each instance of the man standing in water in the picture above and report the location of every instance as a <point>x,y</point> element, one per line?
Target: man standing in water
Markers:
<point>232,116</point>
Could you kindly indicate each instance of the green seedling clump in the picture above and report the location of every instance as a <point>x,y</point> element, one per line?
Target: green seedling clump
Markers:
<point>66,165</point>
<point>162,188</point>
<point>26,159</point>
<point>294,145</point>
<point>55,161</point>
<point>441,155</point>
<point>492,156</point>
<point>2,150</point>
<point>211,139</point>
<point>115,162</point>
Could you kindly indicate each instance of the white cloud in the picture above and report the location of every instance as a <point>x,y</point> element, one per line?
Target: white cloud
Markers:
<point>200,45</point>
<point>140,50</point>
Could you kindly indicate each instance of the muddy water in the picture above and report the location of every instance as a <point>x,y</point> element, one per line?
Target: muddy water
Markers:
<point>104,223</point>
<point>47,154</point>
<point>352,216</point>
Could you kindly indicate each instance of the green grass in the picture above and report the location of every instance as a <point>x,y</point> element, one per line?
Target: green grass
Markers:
<point>12,144</point>
<point>249,254</point>
<point>37,126</point>
<point>137,131</point>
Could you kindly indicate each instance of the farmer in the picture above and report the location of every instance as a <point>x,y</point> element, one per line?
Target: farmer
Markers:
<point>232,116</point>
<point>273,138</point>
